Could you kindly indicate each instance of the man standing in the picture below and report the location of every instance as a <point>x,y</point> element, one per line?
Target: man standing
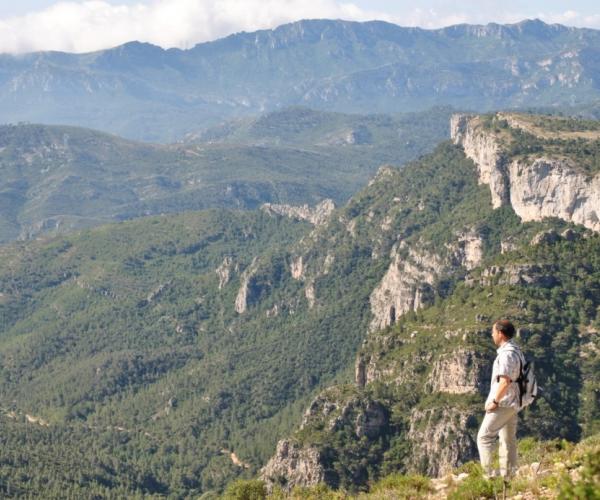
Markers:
<point>502,404</point>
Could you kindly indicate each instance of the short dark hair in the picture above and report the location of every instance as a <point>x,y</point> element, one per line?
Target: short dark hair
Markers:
<point>506,327</point>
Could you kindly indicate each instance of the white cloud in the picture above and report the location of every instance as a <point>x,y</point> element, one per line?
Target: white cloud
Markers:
<point>572,18</point>
<point>96,24</point>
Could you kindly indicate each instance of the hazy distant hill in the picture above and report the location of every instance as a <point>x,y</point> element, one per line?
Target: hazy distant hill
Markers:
<point>142,91</point>
<point>56,179</point>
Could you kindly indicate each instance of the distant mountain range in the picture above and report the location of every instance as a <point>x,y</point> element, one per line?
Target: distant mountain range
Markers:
<point>141,91</point>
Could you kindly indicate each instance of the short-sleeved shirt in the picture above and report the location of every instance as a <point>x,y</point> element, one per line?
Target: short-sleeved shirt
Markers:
<point>507,363</point>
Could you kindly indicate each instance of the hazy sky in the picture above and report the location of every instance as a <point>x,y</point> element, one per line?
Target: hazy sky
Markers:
<point>86,25</point>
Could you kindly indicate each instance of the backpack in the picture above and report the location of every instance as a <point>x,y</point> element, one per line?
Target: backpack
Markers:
<point>528,387</point>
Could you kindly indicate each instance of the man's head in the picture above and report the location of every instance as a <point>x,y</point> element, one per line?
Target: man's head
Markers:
<point>502,331</point>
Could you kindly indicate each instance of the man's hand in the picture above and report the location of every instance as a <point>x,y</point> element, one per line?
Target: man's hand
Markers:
<point>491,406</point>
<point>500,392</point>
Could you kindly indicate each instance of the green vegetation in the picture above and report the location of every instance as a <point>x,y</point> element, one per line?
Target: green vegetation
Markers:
<point>245,490</point>
<point>584,153</point>
<point>550,137</point>
<point>566,124</point>
<point>402,486</point>
<point>560,470</point>
<point>58,179</point>
<point>121,338</point>
<point>126,341</point>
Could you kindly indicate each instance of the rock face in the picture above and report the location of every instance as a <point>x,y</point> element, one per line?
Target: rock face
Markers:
<point>309,293</point>
<point>224,271</point>
<point>519,274</point>
<point>316,216</point>
<point>460,372</point>
<point>553,188</point>
<point>296,465</point>
<point>293,465</point>
<point>468,251</point>
<point>442,439</point>
<point>543,187</point>
<point>484,150</point>
<point>406,286</point>
<point>245,291</point>
<point>360,372</point>
<point>297,268</point>
<point>363,415</point>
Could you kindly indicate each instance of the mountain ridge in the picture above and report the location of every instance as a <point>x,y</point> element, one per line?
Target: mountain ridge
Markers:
<point>144,91</point>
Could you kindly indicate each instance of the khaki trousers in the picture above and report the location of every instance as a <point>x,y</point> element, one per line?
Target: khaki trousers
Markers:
<point>503,422</point>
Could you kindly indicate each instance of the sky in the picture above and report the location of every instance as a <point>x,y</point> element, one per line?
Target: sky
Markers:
<point>88,25</point>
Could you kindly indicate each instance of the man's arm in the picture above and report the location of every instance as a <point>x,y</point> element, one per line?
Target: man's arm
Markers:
<point>503,385</point>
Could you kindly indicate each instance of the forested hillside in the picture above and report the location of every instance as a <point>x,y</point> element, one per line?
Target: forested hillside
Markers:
<point>56,179</point>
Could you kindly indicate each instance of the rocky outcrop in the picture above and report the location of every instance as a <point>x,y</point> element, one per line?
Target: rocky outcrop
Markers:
<point>485,151</point>
<point>460,372</point>
<point>304,465</point>
<point>370,420</point>
<point>360,371</point>
<point>316,216</point>
<point>363,415</point>
<point>245,291</point>
<point>293,465</point>
<point>538,188</point>
<point>442,439</point>
<point>554,188</point>
<point>545,238</point>
<point>309,293</point>
<point>297,268</point>
<point>542,275</point>
<point>224,271</point>
<point>468,250</point>
<point>406,286</point>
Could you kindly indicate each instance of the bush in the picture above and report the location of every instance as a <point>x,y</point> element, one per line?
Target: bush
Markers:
<point>403,486</point>
<point>588,484</point>
<point>318,492</point>
<point>475,487</point>
<point>472,468</point>
<point>246,490</point>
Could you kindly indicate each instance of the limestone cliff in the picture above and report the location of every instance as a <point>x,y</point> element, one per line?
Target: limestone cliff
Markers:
<point>540,275</point>
<point>468,250</point>
<point>406,286</point>
<point>439,437</point>
<point>293,465</point>
<point>245,291</point>
<point>316,216</point>
<point>224,271</point>
<point>462,371</point>
<point>442,439</point>
<point>538,187</point>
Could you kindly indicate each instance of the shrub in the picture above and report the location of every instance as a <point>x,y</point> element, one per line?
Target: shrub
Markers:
<point>475,487</point>
<point>587,486</point>
<point>318,492</point>
<point>403,486</point>
<point>246,490</point>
